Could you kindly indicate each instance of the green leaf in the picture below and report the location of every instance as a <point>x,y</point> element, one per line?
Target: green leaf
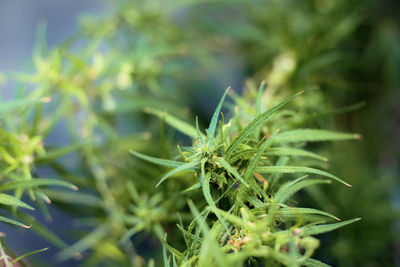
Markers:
<point>298,169</point>
<point>314,263</point>
<point>313,135</point>
<point>200,220</point>
<point>12,201</point>
<point>205,185</point>
<point>178,124</point>
<point>165,257</point>
<point>199,134</point>
<point>14,222</point>
<point>56,153</point>
<point>258,107</point>
<point>256,122</point>
<point>36,182</point>
<point>259,96</point>
<point>254,160</point>
<point>191,188</point>
<point>290,188</point>
<point>28,254</point>
<point>170,248</point>
<point>209,244</point>
<point>288,213</point>
<point>186,166</point>
<point>288,151</point>
<point>158,161</point>
<point>85,243</point>
<point>18,104</point>
<point>214,120</point>
<point>319,229</point>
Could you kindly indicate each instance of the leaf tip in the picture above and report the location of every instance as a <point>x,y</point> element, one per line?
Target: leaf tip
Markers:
<point>26,226</point>
<point>46,99</point>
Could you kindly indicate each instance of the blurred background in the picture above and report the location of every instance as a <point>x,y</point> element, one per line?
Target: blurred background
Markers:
<point>180,56</point>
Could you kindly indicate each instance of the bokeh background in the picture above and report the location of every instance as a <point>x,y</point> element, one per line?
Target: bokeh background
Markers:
<point>347,52</point>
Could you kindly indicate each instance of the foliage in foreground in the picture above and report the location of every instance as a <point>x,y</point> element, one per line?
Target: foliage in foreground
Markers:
<point>247,171</point>
<point>243,174</point>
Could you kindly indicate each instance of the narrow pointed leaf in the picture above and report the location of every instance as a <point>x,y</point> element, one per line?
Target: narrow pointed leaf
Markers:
<point>290,188</point>
<point>199,134</point>
<point>319,229</point>
<point>313,135</point>
<point>288,151</point>
<point>201,221</point>
<point>191,188</point>
<point>18,104</point>
<point>302,213</point>
<point>28,254</point>
<point>256,122</point>
<point>187,166</point>
<point>258,107</point>
<point>56,153</point>
<point>178,124</point>
<point>298,169</point>
<point>12,201</point>
<point>254,160</point>
<point>36,182</point>
<point>14,222</point>
<point>85,243</point>
<point>214,120</point>
<point>314,263</point>
<point>165,257</point>
<point>259,96</point>
<point>171,249</point>
<point>158,161</point>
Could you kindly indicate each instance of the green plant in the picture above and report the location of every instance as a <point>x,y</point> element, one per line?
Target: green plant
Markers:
<point>248,193</point>
<point>234,191</point>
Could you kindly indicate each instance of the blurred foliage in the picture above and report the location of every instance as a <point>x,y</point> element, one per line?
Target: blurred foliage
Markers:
<point>165,55</point>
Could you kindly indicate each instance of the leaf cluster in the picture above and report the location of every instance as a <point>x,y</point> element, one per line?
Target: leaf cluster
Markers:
<point>246,181</point>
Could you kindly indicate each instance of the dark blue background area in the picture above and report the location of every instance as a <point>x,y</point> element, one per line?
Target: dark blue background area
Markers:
<point>18,26</point>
